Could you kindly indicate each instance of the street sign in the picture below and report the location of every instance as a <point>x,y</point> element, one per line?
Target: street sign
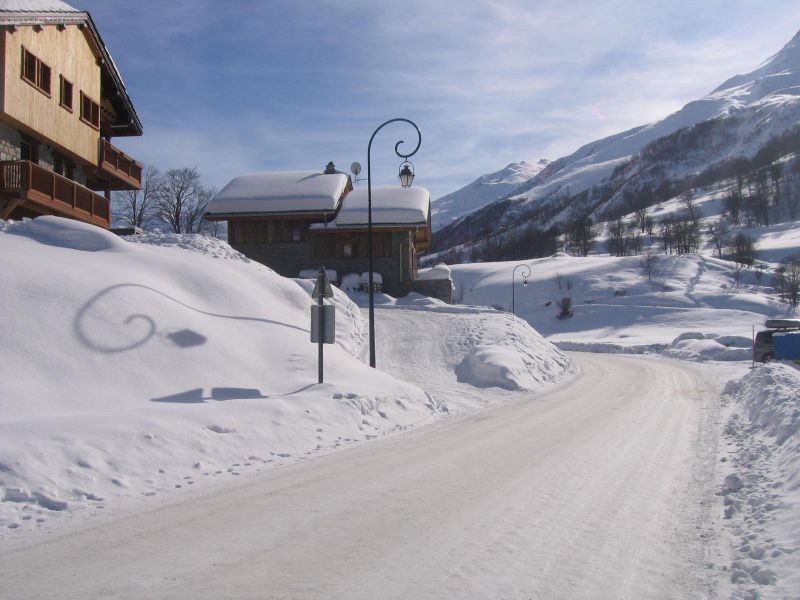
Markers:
<point>328,324</point>
<point>322,288</point>
<point>323,317</point>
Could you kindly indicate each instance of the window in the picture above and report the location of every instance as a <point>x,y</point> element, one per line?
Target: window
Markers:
<point>297,234</point>
<point>90,111</point>
<point>65,94</point>
<point>347,250</point>
<point>29,150</point>
<point>35,72</point>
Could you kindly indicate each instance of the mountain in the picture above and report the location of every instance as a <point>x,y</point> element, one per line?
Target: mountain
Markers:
<point>740,121</point>
<point>483,190</point>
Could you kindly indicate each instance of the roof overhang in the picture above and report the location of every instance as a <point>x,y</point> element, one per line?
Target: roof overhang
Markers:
<point>251,216</point>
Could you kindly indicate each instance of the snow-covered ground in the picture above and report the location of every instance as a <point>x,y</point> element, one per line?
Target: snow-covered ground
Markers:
<point>617,305</point>
<point>761,486</point>
<point>143,376</point>
<point>134,370</point>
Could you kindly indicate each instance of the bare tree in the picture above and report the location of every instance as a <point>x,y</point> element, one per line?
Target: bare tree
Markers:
<point>718,232</point>
<point>787,279</point>
<point>641,217</point>
<point>136,208</point>
<point>559,279</point>
<point>649,264</point>
<point>179,199</point>
<point>689,202</point>
<point>194,220</point>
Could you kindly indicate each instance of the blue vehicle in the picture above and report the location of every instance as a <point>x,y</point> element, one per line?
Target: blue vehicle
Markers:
<point>780,341</point>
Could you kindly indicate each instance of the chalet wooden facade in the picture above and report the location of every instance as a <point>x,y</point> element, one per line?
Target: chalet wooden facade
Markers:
<point>299,221</point>
<point>61,102</point>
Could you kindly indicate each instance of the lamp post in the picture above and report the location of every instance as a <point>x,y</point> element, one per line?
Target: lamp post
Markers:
<point>526,272</point>
<point>406,176</point>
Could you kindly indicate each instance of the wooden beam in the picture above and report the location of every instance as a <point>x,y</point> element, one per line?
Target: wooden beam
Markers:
<point>9,206</point>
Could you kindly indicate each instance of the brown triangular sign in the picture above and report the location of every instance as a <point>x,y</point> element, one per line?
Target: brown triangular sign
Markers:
<point>323,286</point>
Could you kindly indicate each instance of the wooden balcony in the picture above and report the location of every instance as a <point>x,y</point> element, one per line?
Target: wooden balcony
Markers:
<point>34,189</point>
<point>119,166</point>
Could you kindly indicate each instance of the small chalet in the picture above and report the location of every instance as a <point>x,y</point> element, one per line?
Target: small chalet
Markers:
<point>297,221</point>
<point>61,101</point>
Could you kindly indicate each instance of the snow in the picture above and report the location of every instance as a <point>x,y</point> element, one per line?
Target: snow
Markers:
<point>135,368</point>
<point>137,372</point>
<point>279,192</point>
<point>390,206</point>
<point>437,272</point>
<point>617,306</point>
<point>761,482</point>
<point>333,275</point>
<point>483,190</point>
<point>36,6</point>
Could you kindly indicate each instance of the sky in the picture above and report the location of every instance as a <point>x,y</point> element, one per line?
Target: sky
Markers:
<point>234,87</point>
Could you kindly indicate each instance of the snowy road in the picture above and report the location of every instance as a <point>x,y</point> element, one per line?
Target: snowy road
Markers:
<point>598,489</point>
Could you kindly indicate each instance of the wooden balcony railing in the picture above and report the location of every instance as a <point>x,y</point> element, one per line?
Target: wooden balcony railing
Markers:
<point>115,162</point>
<point>49,191</point>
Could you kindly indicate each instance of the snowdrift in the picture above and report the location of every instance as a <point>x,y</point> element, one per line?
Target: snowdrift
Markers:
<point>130,369</point>
<point>761,487</point>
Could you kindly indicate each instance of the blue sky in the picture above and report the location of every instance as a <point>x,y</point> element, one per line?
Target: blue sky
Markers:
<point>233,87</point>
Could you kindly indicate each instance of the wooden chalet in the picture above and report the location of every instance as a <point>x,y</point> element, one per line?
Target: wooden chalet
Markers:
<point>299,221</point>
<point>62,101</point>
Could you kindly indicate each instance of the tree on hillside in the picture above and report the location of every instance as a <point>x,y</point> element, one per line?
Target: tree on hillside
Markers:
<point>733,204</point>
<point>787,280</point>
<point>718,232</point>
<point>641,217</point>
<point>616,242</point>
<point>741,248</point>
<point>136,208</point>
<point>581,235</point>
<point>692,210</point>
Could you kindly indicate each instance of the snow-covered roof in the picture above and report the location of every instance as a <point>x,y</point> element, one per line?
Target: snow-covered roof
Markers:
<point>36,6</point>
<point>390,206</point>
<point>279,192</point>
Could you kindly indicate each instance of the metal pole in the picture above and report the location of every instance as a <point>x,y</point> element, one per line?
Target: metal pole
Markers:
<point>369,224</point>
<point>513,273</point>
<point>321,323</point>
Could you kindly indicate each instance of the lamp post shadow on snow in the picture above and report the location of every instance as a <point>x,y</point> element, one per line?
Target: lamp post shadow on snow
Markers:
<point>182,338</point>
<point>221,394</point>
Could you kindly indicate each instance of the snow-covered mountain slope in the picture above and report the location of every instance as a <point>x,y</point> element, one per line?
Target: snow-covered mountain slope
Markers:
<point>767,100</point>
<point>483,190</point>
<point>735,120</point>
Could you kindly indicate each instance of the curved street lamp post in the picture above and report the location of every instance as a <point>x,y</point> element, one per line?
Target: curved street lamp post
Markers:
<point>526,272</point>
<point>406,176</point>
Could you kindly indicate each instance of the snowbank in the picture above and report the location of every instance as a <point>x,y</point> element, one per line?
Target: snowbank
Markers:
<point>437,272</point>
<point>761,486</point>
<point>697,346</point>
<point>509,354</point>
<point>132,368</point>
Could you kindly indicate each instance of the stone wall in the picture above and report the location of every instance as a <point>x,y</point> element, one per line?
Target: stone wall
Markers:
<point>290,258</point>
<point>10,139</point>
<point>10,149</point>
<point>441,289</point>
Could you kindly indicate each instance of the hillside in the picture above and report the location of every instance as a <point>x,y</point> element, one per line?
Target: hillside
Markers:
<point>483,190</point>
<point>744,125</point>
